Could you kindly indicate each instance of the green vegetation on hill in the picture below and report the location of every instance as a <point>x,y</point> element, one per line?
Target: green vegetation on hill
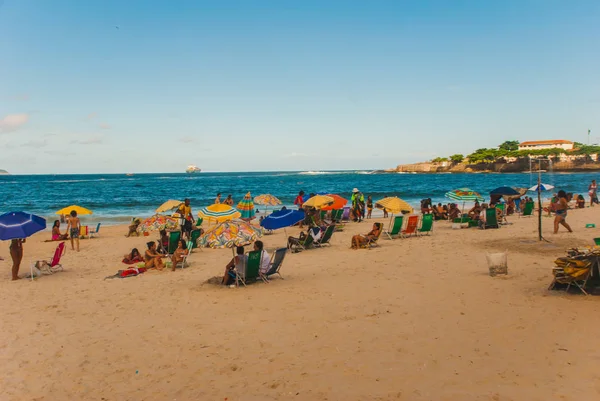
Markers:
<point>510,149</point>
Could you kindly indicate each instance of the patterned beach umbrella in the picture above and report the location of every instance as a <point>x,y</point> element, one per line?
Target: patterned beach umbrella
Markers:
<point>168,205</point>
<point>267,200</point>
<point>229,234</point>
<point>158,222</point>
<point>218,213</point>
<point>393,204</point>
<point>464,195</point>
<point>246,207</point>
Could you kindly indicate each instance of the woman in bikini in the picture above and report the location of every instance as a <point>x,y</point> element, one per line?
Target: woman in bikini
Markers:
<point>179,254</point>
<point>560,209</point>
<point>133,257</point>
<point>56,234</point>
<point>359,241</point>
<point>16,253</point>
<point>153,258</point>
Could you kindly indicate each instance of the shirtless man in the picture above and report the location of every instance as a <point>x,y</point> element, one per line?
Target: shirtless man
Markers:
<point>153,258</point>
<point>73,228</point>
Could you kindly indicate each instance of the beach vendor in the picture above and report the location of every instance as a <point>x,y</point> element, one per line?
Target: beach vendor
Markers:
<point>185,211</point>
<point>358,204</point>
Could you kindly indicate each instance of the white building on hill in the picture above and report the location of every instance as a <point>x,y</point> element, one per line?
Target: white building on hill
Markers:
<point>550,144</point>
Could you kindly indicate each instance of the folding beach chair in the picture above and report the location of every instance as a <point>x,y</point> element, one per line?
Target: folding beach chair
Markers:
<point>53,264</point>
<point>346,214</point>
<point>336,215</point>
<point>275,265</point>
<point>183,263</point>
<point>528,210</point>
<point>426,224</point>
<point>194,238</point>
<point>396,225</point>
<point>251,269</point>
<point>411,226</point>
<point>571,272</point>
<point>304,244</point>
<point>491,218</point>
<point>324,240</point>
<point>502,208</point>
<point>372,242</point>
<point>94,233</point>
<point>174,237</point>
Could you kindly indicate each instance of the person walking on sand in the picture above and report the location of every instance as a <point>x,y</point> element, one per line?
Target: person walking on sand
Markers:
<point>369,206</point>
<point>560,208</point>
<point>358,204</point>
<point>593,192</point>
<point>73,228</point>
<point>16,253</point>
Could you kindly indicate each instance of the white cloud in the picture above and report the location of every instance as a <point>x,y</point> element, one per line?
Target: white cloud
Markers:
<point>104,126</point>
<point>87,141</point>
<point>36,143</point>
<point>13,122</point>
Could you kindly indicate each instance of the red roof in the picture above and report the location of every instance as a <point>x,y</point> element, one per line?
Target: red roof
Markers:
<point>550,142</point>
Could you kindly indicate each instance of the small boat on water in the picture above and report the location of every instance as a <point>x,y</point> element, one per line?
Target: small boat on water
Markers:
<point>129,174</point>
<point>192,169</point>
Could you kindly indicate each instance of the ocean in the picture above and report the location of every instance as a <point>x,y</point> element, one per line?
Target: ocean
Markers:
<point>116,198</point>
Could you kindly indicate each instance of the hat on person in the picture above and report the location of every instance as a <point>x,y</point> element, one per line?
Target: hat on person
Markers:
<point>355,190</point>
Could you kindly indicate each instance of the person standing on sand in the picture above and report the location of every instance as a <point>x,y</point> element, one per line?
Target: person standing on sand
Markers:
<point>299,201</point>
<point>185,211</point>
<point>369,206</point>
<point>358,204</point>
<point>560,208</point>
<point>74,228</point>
<point>16,253</point>
<point>593,192</point>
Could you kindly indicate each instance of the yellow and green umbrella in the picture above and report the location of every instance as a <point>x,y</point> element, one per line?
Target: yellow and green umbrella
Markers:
<point>229,234</point>
<point>219,212</point>
<point>246,207</point>
<point>393,204</point>
<point>318,202</point>
<point>79,209</point>
<point>168,205</point>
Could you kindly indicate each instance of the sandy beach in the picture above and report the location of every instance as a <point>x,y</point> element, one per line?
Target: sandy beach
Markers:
<point>415,319</point>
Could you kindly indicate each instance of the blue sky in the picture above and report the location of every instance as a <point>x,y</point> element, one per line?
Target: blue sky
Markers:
<point>152,86</point>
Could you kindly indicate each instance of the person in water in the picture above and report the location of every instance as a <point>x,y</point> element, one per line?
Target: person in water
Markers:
<point>560,209</point>
<point>16,253</point>
<point>73,228</point>
<point>56,234</point>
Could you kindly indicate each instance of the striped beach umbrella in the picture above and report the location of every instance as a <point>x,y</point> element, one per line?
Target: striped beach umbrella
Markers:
<point>464,195</point>
<point>246,208</point>
<point>541,187</point>
<point>229,234</point>
<point>218,213</point>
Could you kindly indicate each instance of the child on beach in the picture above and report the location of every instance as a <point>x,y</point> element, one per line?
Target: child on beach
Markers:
<point>179,253</point>
<point>73,228</point>
<point>369,206</point>
<point>153,258</point>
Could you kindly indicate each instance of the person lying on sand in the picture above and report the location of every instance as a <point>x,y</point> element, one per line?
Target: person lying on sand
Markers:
<point>133,257</point>
<point>359,241</point>
<point>153,258</point>
<point>179,254</point>
<point>237,263</point>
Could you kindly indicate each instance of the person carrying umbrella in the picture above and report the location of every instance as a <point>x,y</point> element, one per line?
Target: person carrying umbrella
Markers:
<point>358,204</point>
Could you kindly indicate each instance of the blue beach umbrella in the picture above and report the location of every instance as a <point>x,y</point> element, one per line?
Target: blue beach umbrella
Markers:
<point>505,191</point>
<point>15,225</point>
<point>541,187</point>
<point>282,219</point>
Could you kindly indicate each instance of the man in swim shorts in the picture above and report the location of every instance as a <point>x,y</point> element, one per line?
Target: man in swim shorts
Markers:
<point>73,228</point>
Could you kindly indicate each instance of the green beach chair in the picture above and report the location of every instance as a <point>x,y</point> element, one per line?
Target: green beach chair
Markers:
<point>528,210</point>
<point>396,227</point>
<point>199,221</point>
<point>184,262</point>
<point>491,219</point>
<point>303,245</point>
<point>326,236</point>
<point>194,238</point>
<point>426,224</point>
<point>174,237</point>
<point>251,269</point>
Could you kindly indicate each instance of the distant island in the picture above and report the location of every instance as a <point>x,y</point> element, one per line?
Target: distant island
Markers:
<point>4,172</point>
<point>513,157</point>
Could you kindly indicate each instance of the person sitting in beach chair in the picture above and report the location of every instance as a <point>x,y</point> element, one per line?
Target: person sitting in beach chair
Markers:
<point>453,212</point>
<point>179,254</point>
<point>237,264</point>
<point>314,232</point>
<point>162,245</point>
<point>481,218</point>
<point>133,227</point>
<point>475,211</point>
<point>364,241</point>
<point>152,257</point>
<point>133,257</point>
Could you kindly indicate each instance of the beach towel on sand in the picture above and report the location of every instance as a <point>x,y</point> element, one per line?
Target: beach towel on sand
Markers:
<point>127,273</point>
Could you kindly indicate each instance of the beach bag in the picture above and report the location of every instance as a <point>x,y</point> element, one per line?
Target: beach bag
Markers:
<point>497,263</point>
